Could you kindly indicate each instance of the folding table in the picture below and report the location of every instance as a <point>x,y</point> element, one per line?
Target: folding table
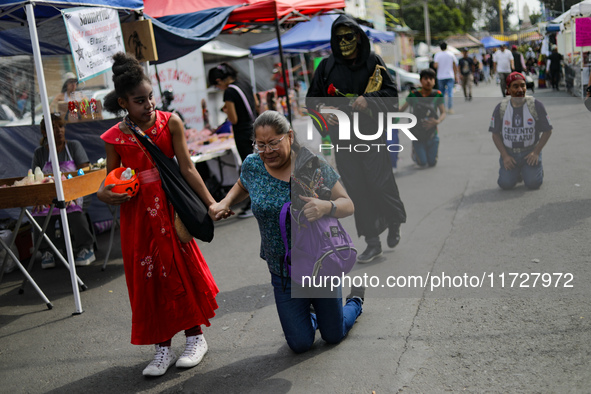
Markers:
<point>43,194</point>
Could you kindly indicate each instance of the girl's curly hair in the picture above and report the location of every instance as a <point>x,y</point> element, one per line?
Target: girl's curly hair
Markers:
<point>128,73</point>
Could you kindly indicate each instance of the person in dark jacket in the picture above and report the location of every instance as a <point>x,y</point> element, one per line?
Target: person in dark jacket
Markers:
<point>518,62</point>
<point>367,176</point>
<point>240,105</point>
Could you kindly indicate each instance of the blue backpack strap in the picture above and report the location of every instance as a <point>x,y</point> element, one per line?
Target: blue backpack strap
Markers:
<point>283,217</point>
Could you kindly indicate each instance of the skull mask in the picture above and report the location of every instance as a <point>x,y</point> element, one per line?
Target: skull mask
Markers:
<point>347,39</point>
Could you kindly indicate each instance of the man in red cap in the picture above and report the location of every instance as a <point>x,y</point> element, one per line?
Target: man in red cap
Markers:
<point>520,129</point>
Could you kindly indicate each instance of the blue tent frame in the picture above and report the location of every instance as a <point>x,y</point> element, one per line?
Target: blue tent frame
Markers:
<point>312,36</point>
<point>491,42</point>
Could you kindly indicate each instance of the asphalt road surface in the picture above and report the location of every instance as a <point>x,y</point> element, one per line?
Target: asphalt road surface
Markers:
<point>480,330</point>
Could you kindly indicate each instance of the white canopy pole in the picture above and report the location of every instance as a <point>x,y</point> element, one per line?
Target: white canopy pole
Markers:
<point>253,81</point>
<point>52,152</point>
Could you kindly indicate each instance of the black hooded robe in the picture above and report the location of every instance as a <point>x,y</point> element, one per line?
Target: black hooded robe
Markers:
<point>367,177</point>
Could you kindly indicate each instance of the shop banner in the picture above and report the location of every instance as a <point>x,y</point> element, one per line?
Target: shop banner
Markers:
<point>583,32</point>
<point>95,36</point>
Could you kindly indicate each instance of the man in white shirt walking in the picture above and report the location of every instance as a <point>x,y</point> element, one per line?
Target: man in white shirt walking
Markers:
<point>447,71</point>
<point>503,65</point>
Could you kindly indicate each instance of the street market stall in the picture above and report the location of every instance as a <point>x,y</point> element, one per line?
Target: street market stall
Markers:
<point>16,19</point>
<point>574,42</point>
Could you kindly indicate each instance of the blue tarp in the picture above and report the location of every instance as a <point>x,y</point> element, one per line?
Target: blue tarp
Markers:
<point>313,35</point>
<point>491,42</point>
<point>178,35</point>
<point>45,9</point>
<point>552,28</point>
<point>175,35</point>
<point>14,37</point>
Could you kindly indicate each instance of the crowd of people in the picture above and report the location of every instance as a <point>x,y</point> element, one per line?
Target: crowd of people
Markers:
<point>519,144</point>
<point>170,286</point>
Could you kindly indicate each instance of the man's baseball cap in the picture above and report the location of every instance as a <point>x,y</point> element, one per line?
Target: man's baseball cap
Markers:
<point>514,76</point>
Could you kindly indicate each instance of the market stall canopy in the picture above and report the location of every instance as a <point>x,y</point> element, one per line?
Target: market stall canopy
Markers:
<point>160,8</point>
<point>218,51</point>
<point>31,18</point>
<point>182,27</point>
<point>491,42</point>
<point>260,12</point>
<point>463,41</point>
<point>313,35</point>
<point>14,33</point>
<point>221,48</point>
<point>180,34</point>
<point>579,10</point>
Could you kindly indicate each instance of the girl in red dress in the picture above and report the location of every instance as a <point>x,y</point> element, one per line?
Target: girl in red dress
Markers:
<point>169,283</point>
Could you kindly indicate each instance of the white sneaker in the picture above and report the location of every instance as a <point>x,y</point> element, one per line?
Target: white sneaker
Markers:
<point>163,357</point>
<point>195,349</point>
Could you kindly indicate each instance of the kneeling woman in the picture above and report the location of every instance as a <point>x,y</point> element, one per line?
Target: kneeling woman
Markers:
<point>266,177</point>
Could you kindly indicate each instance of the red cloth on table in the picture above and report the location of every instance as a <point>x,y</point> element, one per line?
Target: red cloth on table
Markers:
<point>169,283</point>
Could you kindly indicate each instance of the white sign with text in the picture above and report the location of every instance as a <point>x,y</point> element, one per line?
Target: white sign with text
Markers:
<point>95,36</point>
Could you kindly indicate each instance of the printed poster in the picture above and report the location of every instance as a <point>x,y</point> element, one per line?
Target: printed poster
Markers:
<point>95,36</point>
<point>583,32</point>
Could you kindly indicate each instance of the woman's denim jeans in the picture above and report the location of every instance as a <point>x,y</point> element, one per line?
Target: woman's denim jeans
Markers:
<point>299,325</point>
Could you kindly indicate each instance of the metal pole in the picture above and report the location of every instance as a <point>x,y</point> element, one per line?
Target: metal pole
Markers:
<point>32,95</point>
<point>282,59</point>
<point>427,27</point>
<point>501,17</point>
<point>52,152</point>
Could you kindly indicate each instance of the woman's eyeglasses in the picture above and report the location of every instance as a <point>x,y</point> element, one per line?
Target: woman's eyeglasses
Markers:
<point>272,145</point>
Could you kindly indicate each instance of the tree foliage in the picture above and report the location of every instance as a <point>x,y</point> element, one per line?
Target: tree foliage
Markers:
<point>535,18</point>
<point>491,16</point>
<point>446,17</point>
<point>443,20</point>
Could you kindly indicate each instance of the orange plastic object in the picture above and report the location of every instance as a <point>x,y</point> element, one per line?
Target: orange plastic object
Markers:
<point>129,186</point>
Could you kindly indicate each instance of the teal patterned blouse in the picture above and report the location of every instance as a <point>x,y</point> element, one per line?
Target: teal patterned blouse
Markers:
<point>268,195</point>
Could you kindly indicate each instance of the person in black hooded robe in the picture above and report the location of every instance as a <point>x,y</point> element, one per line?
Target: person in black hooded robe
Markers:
<point>367,176</point>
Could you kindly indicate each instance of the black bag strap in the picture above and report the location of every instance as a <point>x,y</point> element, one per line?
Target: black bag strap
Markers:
<point>244,99</point>
<point>139,133</point>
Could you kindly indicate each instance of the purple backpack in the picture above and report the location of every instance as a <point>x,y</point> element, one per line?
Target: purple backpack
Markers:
<point>319,248</point>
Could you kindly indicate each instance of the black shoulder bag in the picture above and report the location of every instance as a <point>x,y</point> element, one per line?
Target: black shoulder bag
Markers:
<point>187,204</point>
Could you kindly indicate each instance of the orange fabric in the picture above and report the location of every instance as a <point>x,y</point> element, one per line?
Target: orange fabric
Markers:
<point>169,283</point>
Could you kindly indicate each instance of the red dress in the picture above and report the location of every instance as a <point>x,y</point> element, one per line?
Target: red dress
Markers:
<point>170,286</point>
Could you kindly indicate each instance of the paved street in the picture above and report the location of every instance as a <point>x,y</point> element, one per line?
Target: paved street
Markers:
<point>464,336</point>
